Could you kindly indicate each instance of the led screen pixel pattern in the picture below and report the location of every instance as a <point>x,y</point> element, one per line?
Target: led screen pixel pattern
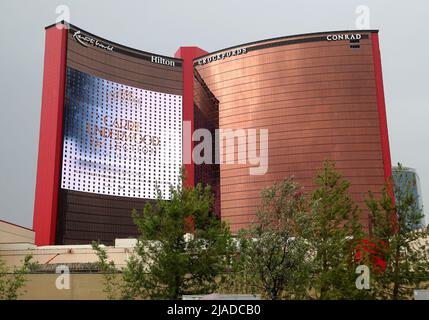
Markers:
<point>120,140</point>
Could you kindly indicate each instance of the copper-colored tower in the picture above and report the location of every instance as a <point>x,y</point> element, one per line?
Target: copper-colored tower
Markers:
<point>319,95</point>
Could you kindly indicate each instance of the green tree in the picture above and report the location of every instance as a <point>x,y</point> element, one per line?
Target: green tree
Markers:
<point>334,231</point>
<point>112,283</point>
<point>272,252</point>
<point>393,219</point>
<point>183,248</point>
<point>13,280</point>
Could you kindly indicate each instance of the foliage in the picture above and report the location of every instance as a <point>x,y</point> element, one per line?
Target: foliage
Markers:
<point>183,248</point>
<point>112,283</point>
<point>298,247</point>
<point>334,232</point>
<point>13,281</point>
<point>393,220</point>
<point>272,250</point>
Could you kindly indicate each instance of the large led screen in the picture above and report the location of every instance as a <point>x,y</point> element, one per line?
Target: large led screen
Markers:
<point>120,140</point>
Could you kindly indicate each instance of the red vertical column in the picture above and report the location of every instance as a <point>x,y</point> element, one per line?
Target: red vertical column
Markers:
<point>381,107</point>
<point>50,136</point>
<point>188,54</point>
<point>384,134</point>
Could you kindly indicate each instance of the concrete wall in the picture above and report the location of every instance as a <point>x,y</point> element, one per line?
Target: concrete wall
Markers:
<point>82,287</point>
<point>11,233</point>
<point>13,254</point>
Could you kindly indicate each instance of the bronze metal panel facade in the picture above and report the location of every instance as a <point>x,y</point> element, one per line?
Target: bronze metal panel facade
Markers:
<point>318,100</point>
<point>206,116</point>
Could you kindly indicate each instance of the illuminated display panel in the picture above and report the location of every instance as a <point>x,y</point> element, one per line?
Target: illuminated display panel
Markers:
<point>120,140</point>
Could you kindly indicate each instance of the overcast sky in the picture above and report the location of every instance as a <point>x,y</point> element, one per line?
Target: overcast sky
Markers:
<point>162,26</point>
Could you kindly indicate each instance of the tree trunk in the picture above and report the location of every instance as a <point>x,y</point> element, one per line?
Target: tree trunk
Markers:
<point>396,274</point>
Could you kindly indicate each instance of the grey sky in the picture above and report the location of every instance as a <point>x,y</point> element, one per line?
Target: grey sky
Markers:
<point>162,26</point>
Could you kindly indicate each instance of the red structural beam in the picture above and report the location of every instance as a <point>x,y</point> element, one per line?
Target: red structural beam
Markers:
<point>188,54</point>
<point>50,137</point>
<point>384,134</point>
<point>381,107</point>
